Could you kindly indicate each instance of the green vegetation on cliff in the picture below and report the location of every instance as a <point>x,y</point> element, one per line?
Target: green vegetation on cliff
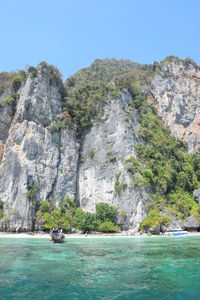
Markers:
<point>10,83</point>
<point>89,90</point>
<point>164,166</point>
<point>174,59</point>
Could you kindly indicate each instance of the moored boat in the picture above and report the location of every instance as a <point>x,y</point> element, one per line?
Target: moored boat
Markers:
<point>176,233</point>
<point>57,236</point>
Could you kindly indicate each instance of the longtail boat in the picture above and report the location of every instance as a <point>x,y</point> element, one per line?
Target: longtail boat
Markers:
<point>57,236</point>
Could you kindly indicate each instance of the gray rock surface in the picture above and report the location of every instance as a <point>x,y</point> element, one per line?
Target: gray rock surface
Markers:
<point>176,94</point>
<point>34,156</point>
<point>105,148</point>
<point>175,225</point>
<point>191,223</point>
<point>196,194</point>
<point>155,230</point>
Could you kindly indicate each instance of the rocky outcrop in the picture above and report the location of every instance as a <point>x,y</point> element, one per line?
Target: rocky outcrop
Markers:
<point>196,195</point>
<point>176,94</point>
<point>192,224</point>
<point>155,230</point>
<point>105,148</point>
<point>37,163</point>
<point>175,225</point>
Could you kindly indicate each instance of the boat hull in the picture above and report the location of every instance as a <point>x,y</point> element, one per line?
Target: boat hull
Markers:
<point>58,239</point>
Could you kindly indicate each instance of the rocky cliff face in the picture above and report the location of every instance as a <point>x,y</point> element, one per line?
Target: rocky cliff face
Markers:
<point>104,151</point>
<point>176,93</point>
<point>38,162</point>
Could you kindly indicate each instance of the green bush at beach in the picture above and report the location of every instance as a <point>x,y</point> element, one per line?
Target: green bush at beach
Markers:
<point>52,217</point>
<point>108,226</point>
<point>85,221</point>
<point>56,219</point>
<point>154,218</point>
<point>69,215</point>
<point>103,220</point>
<point>105,212</point>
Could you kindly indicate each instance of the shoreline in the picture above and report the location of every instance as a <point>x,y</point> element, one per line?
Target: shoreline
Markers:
<point>67,235</point>
<point>33,235</point>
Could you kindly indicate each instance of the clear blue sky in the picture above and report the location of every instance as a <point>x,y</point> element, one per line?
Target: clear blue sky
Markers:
<point>72,33</point>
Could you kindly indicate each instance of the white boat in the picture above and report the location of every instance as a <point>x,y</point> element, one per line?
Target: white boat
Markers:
<point>176,233</point>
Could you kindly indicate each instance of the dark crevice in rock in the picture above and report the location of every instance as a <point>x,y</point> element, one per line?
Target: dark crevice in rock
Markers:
<point>77,195</point>
<point>51,194</point>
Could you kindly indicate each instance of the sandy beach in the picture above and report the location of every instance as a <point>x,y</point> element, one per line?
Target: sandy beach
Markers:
<point>71,235</point>
<point>42,235</point>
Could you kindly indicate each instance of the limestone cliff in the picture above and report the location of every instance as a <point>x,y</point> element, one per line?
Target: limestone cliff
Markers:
<point>36,162</point>
<point>176,93</point>
<point>104,151</point>
<point>40,158</point>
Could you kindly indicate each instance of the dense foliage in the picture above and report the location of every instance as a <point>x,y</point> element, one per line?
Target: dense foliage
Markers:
<point>104,220</point>
<point>85,221</point>
<point>51,216</point>
<point>89,90</point>
<point>108,226</point>
<point>68,215</point>
<point>154,218</point>
<point>85,103</point>
<point>104,212</point>
<point>10,84</point>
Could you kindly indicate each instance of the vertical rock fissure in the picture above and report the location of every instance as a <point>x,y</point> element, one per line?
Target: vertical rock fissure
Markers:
<point>1,151</point>
<point>77,195</point>
<point>51,194</point>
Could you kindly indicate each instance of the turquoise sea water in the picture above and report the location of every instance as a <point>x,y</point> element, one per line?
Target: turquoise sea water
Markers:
<point>100,268</point>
